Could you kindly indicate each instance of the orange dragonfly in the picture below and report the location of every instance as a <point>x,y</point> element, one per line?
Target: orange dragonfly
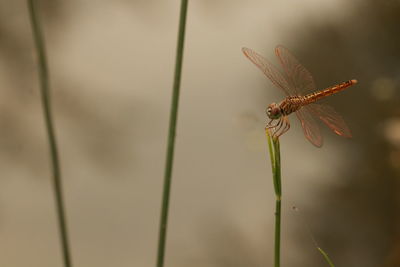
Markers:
<point>299,87</point>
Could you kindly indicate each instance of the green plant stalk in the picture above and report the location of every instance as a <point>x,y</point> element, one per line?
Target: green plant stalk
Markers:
<point>323,253</point>
<point>326,257</point>
<point>274,151</point>
<point>44,85</point>
<point>171,135</point>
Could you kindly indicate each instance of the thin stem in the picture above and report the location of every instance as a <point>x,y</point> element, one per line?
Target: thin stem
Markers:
<point>171,136</point>
<point>44,85</point>
<point>274,151</point>
<point>326,257</point>
<point>277,243</point>
<point>323,253</point>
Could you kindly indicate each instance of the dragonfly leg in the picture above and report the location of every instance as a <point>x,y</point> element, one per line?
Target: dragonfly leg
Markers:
<point>286,126</point>
<point>270,124</point>
<point>280,127</point>
<point>277,128</point>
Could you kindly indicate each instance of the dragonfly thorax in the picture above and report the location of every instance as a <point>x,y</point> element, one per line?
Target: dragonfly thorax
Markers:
<point>289,105</point>
<point>274,111</point>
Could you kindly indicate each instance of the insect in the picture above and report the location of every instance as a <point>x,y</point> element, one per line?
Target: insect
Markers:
<point>300,90</point>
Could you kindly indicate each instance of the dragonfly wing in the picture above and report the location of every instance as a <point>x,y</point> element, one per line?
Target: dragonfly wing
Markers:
<point>310,126</point>
<point>299,77</point>
<point>270,71</point>
<point>331,118</point>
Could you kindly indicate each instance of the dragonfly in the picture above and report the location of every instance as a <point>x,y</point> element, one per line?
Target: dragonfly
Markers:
<point>301,94</point>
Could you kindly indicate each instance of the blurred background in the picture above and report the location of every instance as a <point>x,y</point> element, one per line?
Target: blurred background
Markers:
<point>112,65</point>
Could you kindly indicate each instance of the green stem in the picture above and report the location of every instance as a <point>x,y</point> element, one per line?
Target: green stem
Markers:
<point>171,135</point>
<point>274,151</point>
<point>326,257</point>
<point>277,243</point>
<point>44,85</point>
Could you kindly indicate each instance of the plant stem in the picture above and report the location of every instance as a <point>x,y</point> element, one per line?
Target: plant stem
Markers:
<point>326,257</point>
<point>277,244</point>
<point>171,135</point>
<point>44,85</point>
<point>274,151</point>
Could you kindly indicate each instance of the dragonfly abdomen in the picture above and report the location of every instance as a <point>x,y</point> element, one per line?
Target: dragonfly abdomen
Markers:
<point>311,98</point>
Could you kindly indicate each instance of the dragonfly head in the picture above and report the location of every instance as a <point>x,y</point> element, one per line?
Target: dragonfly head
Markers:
<point>273,111</point>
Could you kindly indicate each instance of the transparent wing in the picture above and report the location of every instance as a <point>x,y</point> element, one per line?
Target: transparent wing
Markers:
<point>331,118</point>
<point>270,71</point>
<point>298,76</point>
<point>310,126</point>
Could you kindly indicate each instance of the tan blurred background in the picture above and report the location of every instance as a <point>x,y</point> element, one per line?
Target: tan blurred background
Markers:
<point>111,66</point>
